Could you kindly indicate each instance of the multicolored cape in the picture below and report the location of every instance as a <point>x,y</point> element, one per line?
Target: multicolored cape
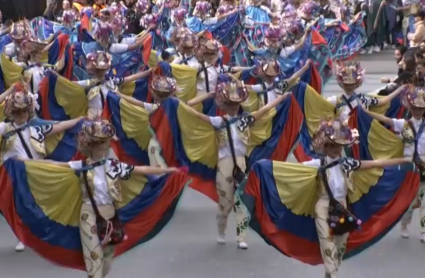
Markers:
<point>282,196</point>
<point>42,202</point>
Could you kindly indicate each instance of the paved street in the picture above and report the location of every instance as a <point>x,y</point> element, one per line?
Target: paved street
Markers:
<point>186,248</point>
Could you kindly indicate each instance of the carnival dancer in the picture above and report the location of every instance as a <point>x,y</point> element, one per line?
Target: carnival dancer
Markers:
<point>101,189</point>
<point>350,77</point>
<point>412,133</point>
<point>335,183</point>
<point>186,49</point>
<point>177,26</point>
<point>208,70</point>
<point>233,136</point>
<point>99,64</point>
<point>273,80</point>
<point>18,137</point>
<point>162,87</point>
<point>18,33</point>
<point>200,20</point>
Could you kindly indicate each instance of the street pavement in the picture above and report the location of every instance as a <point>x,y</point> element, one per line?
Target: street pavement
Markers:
<point>187,247</point>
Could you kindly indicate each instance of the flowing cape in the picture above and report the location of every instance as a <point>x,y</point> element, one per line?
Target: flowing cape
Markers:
<point>188,141</point>
<point>282,196</point>
<point>42,202</point>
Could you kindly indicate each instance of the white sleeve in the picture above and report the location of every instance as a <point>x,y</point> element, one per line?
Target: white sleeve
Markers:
<point>264,8</point>
<point>211,20</point>
<point>286,51</point>
<point>257,88</point>
<point>9,49</point>
<point>128,41</point>
<point>118,48</point>
<point>216,122</point>
<point>226,69</point>
<point>149,107</point>
<point>398,124</point>
<point>75,165</point>
<point>332,99</point>
<point>2,128</point>
<point>96,102</point>
<point>312,163</point>
<point>83,83</point>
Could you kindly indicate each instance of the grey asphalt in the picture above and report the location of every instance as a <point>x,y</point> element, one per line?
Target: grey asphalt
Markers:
<point>187,247</point>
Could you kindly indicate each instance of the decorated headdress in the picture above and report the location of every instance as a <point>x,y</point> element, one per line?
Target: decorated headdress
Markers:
<point>148,20</point>
<point>100,60</point>
<point>333,131</point>
<point>309,9</point>
<point>19,31</point>
<point>350,74</point>
<point>19,99</point>
<point>102,33</point>
<point>118,25</point>
<point>414,96</point>
<point>228,91</point>
<point>273,37</point>
<point>68,18</point>
<point>224,9</point>
<point>188,40</point>
<point>142,6</point>
<point>162,86</point>
<point>211,47</point>
<point>202,8</point>
<point>179,14</point>
<point>94,131</point>
<point>294,28</point>
<point>271,68</point>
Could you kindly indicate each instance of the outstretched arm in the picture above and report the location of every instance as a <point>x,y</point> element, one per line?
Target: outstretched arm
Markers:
<point>148,170</point>
<point>368,164</point>
<point>263,110</point>
<point>387,99</point>
<point>65,125</point>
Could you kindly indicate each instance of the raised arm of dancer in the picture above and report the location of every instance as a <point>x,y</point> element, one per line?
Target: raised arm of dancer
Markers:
<point>196,100</point>
<point>379,163</point>
<point>131,100</point>
<point>137,76</point>
<point>148,170</point>
<point>263,110</point>
<point>300,72</point>
<point>387,99</point>
<point>380,118</point>
<point>63,126</point>
<point>200,116</point>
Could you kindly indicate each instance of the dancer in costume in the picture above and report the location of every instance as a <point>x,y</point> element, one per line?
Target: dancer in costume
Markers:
<point>412,133</point>
<point>161,88</point>
<point>186,48</point>
<point>18,33</point>
<point>273,81</point>
<point>350,77</point>
<point>19,138</point>
<point>314,206</point>
<point>335,183</point>
<point>99,64</point>
<point>233,136</point>
<point>101,189</point>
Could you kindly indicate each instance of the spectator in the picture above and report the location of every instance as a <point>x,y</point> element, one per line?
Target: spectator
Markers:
<point>405,76</point>
<point>419,35</point>
<point>49,13</point>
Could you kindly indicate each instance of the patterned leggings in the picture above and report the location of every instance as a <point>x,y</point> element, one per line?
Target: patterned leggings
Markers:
<point>227,197</point>
<point>407,217</point>
<point>98,259</point>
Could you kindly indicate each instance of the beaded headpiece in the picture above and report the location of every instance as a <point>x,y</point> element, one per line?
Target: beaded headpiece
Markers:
<point>142,6</point>
<point>162,86</point>
<point>102,33</point>
<point>19,31</point>
<point>202,8</point>
<point>148,20</point>
<point>350,74</point>
<point>68,18</point>
<point>273,36</point>
<point>179,14</point>
<point>228,91</point>
<point>309,9</point>
<point>188,40</point>
<point>211,47</point>
<point>93,131</point>
<point>333,131</point>
<point>414,96</point>
<point>224,9</point>
<point>100,60</point>
<point>271,68</point>
<point>19,99</point>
